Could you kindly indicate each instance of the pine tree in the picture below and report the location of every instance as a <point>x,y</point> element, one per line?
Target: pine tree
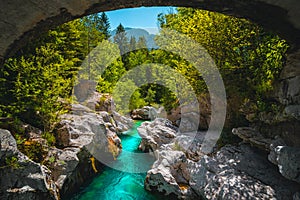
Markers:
<point>121,39</point>
<point>104,25</point>
<point>142,43</point>
<point>132,44</point>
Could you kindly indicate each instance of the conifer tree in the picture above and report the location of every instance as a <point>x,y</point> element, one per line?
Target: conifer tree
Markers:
<point>121,39</point>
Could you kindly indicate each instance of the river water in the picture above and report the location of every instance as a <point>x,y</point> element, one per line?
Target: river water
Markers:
<point>112,184</point>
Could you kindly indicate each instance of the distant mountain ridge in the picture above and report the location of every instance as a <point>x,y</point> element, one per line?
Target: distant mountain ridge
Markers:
<point>137,33</point>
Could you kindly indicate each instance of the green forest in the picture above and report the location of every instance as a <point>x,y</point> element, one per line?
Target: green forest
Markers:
<point>37,84</point>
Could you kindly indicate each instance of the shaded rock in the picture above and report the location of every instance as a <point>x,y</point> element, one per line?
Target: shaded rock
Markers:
<point>272,157</point>
<point>100,102</point>
<point>296,196</point>
<point>287,130</point>
<point>22,178</point>
<point>156,133</point>
<point>241,172</point>
<point>194,116</point>
<point>288,160</point>
<point>169,175</point>
<point>122,123</point>
<point>288,90</point>
<point>71,168</point>
<point>292,111</point>
<point>252,136</point>
<point>145,113</point>
<point>189,122</point>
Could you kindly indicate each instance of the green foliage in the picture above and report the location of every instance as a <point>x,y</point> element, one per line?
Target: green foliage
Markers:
<point>12,162</point>
<point>156,81</point>
<point>34,150</point>
<point>36,82</point>
<point>244,53</point>
<point>177,147</point>
<point>36,87</point>
<point>49,137</point>
<point>248,58</point>
<point>127,90</point>
<point>51,159</point>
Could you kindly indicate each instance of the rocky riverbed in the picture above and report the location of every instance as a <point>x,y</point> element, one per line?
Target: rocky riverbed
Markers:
<point>257,168</point>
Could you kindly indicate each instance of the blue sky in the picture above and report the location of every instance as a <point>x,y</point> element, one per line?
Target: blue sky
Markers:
<point>143,17</point>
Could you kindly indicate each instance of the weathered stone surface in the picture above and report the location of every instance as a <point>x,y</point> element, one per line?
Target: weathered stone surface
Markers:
<point>71,167</point>
<point>296,196</point>
<point>104,105</point>
<point>272,157</point>
<point>100,102</point>
<point>253,137</point>
<point>288,160</point>
<point>87,140</point>
<point>233,173</point>
<point>292,68</point>
<point>84,90</point>
<point>239,173</point>
<point>122,123</point>
<point>25,179</point>
<point>288,90</point>
<point>192,117</point>
<point>162,135</point>
<point>293,111</point>
<point>145,113</point>
<point>156,133</point>
<point>287,130</point>
<point>169,175</point>
<point>86,130</point>
<point>243,172</point>
<point>21,23</point>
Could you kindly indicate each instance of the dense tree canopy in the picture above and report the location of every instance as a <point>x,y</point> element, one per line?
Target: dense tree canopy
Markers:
<point>43,73</point>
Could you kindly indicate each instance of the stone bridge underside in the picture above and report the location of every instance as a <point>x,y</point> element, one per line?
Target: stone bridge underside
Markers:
<point>23,20</point>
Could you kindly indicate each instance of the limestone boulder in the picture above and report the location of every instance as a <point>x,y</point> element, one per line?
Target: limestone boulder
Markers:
<point>234,172</point>
<point>288,161</point>
<point>169,175</point>
<point>241,172</point>
<point>154,134</point>
<point>144,113</point>
<point>122,123</point>
<point>88,130</point>
<point>252,136</point>
<point>21,178</point>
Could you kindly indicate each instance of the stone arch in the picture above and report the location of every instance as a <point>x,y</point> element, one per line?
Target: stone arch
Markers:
<point>20,21</point>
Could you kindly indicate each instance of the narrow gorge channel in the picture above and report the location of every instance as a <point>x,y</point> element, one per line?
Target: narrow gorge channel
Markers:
<point>114,184</point>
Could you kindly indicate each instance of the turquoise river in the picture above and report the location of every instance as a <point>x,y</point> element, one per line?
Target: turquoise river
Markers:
<point>113,184</point>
